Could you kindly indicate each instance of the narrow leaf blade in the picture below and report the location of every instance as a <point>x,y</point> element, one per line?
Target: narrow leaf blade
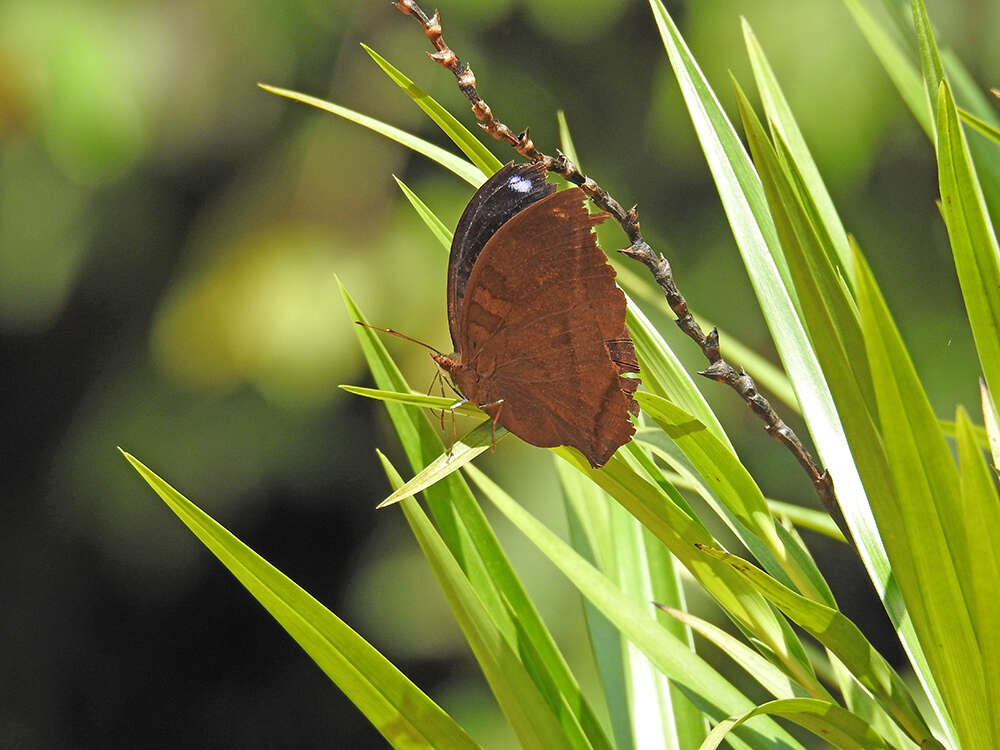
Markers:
<point>468,172</point>
<point>471,146</point>
<point>401,712</point>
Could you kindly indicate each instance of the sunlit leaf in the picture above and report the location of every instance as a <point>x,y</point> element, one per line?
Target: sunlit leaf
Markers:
<point>930,58</point>
<point>756,666</point>
<point>459,406</point>
<point>927,489</point>
<point>748,214</point>
<point>471,146</point>
<point>709,690</point>
<point>896,63</point>
<point>807,518</point>
<point>396,707</point>
<point>981,519</point>
<point>464,450</point>
<point>438,228</point>
<point>782,122</point>
<point>528,713</point>
<point>468,172</point>
<point>973,239</point>
<point>717,464</point>
<point>831,628</point>
<point>829,721</point>
<point>992,420</point>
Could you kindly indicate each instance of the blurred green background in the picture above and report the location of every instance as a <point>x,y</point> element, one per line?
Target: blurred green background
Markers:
<point>169,235</point>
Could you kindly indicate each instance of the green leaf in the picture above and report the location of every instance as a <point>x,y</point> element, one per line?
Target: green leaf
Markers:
<point>783,125</point>
<point>661,510</point>
<point>981,434</point>
<point>930,58</point>
<point>992,420</point>
<point>807,518</point>
<point>641,704</point>
<point>896,63</point>
<point>980,126</point>
<point>753,229</point>
<point>827,307</point>
<point>468,172</point>
<point>471,146</point>
<point>732,484</point>
<point>910,84</point>
<point>746,207</point>
<point>536,727</point>
<point>973,240</point>
<point>709,690</point>
<point>416,399</point>
<point>769,377</point>
<point>739,187</point>
<point>836,725</point>
<point>833,325</point>
<point>566,140</point>
<point>397,708</point>
<point>441,232</point>
<point>587,512</point>
<point>981,518</point>
<point>465,449</point>
<point>772,679</point>
<point>831,628</point>
<point>927,490</point>
<point>655,707</point>
<point>980,114</point>
<point>717,463</point>
<point>663,374</point>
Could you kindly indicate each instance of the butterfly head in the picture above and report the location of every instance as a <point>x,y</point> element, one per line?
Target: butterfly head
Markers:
<point>466,378</point>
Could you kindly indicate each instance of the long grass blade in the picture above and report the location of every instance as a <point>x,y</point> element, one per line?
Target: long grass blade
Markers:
<point>927,488</point>
<point>981,518</point>
<point>416,399</point>
<point>397,708</point>
<point>835,631</point>
<point>468,172</point>
<point>520,700</point>
<point>973,239</point>
<point>709,690</point>
<point>772,679</point>
<point>783,125</point>
<point>992,420</point>
<point>471,146</point>
<point>836,725</point>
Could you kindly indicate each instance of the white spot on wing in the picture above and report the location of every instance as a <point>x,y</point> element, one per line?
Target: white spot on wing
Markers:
<point>519,184</point>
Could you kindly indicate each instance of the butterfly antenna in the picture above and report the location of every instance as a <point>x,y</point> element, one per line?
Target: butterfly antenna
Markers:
<point>401,335</point>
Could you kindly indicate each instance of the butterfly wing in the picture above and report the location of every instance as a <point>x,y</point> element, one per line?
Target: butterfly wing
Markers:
<point>543,326</point>
<point>506,193</point>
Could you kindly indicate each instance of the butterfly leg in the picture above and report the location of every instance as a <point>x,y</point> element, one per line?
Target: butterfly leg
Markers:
<point>454,434</point>
<point>498,406</point>
<point>430,388</point>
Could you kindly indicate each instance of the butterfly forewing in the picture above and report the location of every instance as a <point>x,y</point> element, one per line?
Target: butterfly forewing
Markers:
<point>505,194</point>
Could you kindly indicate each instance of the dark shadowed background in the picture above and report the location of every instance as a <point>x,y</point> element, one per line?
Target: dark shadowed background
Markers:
<point>169,235</point>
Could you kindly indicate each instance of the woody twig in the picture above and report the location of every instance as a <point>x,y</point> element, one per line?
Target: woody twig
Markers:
<point>718,368</point>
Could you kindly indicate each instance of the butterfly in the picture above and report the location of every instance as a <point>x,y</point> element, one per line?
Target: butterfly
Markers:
<point>536,319</point>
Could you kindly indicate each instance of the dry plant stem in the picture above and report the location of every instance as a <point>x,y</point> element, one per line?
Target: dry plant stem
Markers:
<point>718,368</point>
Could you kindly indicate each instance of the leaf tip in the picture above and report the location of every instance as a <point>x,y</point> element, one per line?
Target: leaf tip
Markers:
<point>391,500</point>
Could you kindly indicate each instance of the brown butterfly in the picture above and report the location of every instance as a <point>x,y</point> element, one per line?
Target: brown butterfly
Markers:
<point>537,322</point>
